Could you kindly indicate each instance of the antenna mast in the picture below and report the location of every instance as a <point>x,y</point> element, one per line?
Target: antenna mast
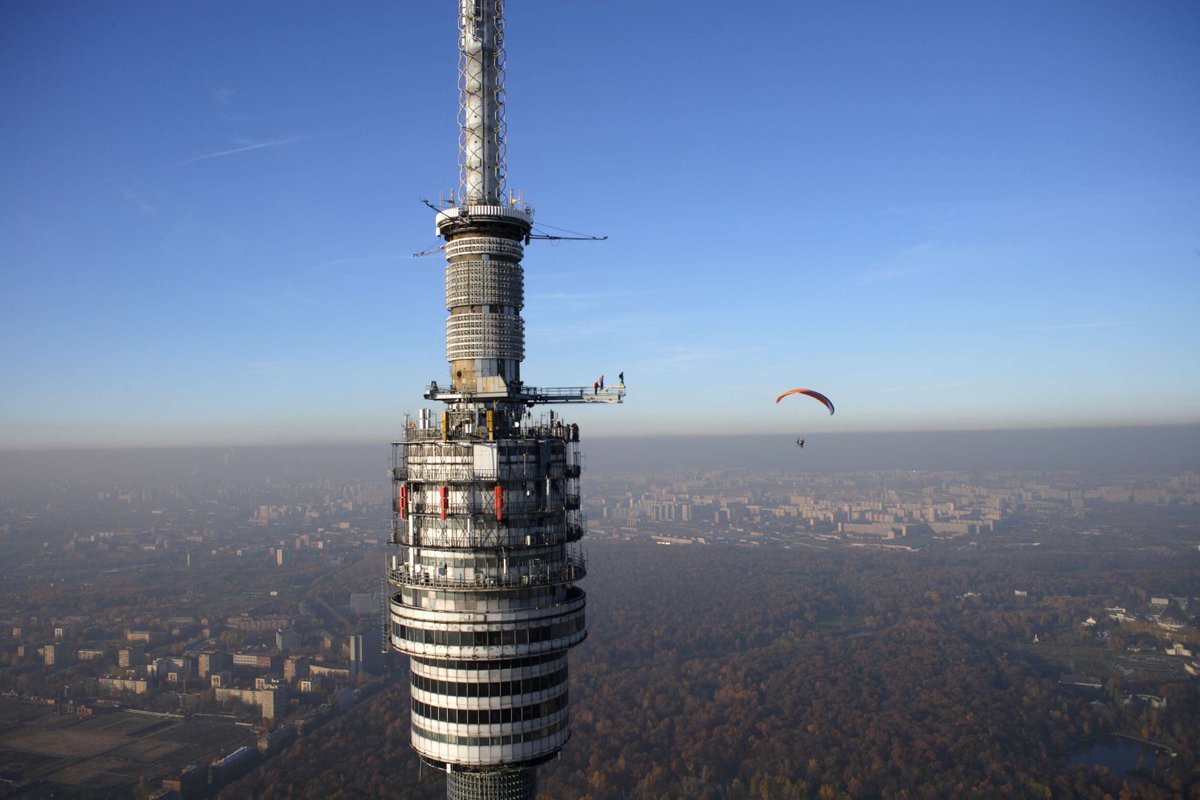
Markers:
<point>481,102</point>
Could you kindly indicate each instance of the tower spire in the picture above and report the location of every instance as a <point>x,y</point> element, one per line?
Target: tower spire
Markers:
<point>481,102</point>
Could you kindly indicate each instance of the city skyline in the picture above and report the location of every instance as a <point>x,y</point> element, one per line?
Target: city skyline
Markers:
<point>945,217</point>
<point>140,603</point>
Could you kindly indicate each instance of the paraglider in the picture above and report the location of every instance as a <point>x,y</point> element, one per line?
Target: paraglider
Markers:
<point>811,393</point>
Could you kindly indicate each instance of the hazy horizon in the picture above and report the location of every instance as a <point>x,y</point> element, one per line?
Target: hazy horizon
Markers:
<point>1152,449</point>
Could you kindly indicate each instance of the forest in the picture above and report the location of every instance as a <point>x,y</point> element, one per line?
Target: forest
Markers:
<point>720,672</point>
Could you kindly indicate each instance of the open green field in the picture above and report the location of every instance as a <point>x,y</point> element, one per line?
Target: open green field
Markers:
<point>1071,656</point>
<point>42,754</point>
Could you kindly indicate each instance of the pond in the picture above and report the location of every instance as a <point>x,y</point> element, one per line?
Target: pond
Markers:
<point>1122,755</point>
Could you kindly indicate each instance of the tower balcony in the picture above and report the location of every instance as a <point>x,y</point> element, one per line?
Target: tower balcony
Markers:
<point>469,433</point>
<point>537,533</point>
<point>505,221</point>
<point>480,505</point>
<point>573,569</point>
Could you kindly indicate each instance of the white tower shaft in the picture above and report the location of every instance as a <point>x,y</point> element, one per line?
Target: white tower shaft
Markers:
<point>486,513</point>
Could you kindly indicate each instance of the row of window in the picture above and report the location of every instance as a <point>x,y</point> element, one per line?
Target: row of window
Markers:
<point>489,716</point>
<point>539,683</point>
<point>492,741</point>
<point>494,663</point>
<point>492,638</point>
<point>510,600</point>
<point>532,598</point>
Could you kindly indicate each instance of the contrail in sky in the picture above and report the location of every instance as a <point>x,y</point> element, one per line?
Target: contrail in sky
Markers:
<point>234,151</point>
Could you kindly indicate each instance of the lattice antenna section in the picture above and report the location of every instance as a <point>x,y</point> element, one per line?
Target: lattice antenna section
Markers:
<point>481,102</point>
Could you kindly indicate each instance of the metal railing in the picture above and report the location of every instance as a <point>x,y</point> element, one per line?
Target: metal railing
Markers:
<point>513,510</point>
<point>478,433</point>
<point>574,569</point>
<point>480,536</point>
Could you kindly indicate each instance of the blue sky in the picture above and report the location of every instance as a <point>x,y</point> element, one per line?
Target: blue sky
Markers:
<point>943,215</point>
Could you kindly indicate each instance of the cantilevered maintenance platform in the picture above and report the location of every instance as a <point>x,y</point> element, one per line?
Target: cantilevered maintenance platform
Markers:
<point>531,395</point>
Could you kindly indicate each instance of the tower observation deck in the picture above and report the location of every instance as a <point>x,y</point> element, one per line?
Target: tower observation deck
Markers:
<point>486,507</point>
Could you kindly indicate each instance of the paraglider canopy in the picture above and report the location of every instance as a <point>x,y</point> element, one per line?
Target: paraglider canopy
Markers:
<point>811,393</point>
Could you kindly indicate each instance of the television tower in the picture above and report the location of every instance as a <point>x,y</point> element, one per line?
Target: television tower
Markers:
<point>486,514</point>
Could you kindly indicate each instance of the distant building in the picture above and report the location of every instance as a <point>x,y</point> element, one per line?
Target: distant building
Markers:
<point>366,652</point>
<point>1172,619</point>
<point>271,700</point>
<point>209,662</point>
<point>131,657</point>
<point>170,669</point>
<point>960,527</point>
<point>287,640</point>
<point>254,660</point>
<point>277,740</point>
<point>258,624</point>
<point>191,782</point>
<point>119,685</point>
<point>295,667</point>
<point>319,670</point>
<point>54,655</point>
<point>880,530</point>
<point>234,765</point>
